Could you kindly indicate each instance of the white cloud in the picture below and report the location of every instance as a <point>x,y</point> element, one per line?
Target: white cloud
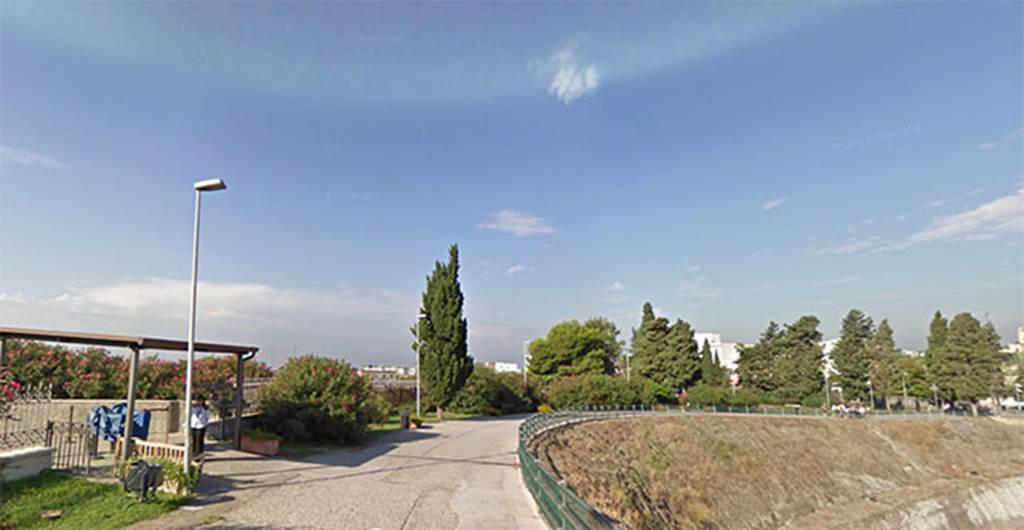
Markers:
<point>25,157</point>
<point>853,246</point>
<point>693,268</point>
<point>938,203</point>
<point>1005,139</point>
<point>1003,215</point>
<point>772,204</point>
<point>902,216</point>
<point>836,281</point>
<point>615,287</point>
<point>519,223</point>
<point>568,76</point>
<point>518,269</point>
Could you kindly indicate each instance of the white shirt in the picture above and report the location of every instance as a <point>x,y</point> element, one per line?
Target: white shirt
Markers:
<point>200,418</point>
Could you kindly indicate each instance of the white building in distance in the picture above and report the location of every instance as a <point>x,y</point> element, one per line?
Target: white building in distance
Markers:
<point>501,366</point>
<point>728,352</point>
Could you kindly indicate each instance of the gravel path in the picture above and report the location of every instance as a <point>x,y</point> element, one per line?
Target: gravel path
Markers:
<point>457,475</point>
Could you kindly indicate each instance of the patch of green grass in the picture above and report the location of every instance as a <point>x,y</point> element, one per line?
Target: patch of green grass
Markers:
<point>394,423</point>
<point>85,504</point>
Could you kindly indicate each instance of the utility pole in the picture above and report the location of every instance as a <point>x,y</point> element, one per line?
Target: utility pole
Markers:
<point>419,320</point>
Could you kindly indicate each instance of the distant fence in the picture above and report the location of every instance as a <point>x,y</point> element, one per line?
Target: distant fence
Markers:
<point>563,509</point>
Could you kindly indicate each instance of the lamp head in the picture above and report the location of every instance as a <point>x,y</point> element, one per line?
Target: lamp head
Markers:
<point>210,185</point>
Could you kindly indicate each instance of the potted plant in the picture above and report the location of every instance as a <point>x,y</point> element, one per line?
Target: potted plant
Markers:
<point>260,442</point>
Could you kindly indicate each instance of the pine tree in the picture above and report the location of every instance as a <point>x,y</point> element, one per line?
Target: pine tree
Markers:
<point>754,366</point>
<point>850,356</point>
<point>967,361</point>
<point>885,375</point>
<point>798,370</point>
<point>677,364</point>
<point>444,359</point>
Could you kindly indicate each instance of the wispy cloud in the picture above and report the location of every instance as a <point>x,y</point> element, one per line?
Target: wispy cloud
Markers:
<point>698,287</point>
<point>772,204</point>
<point>24,157</point>
<point>836,281</point>
<point>518,223</point>
<point>852,246</point>
<point>985,222</point>
<point>1005,139</point>
<point>569,77</point>
<point>1002,215</point>
<point>518,269</point>
<point>615,287</point>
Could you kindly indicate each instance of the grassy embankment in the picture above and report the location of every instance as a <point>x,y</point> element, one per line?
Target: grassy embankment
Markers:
<point>751,472</point>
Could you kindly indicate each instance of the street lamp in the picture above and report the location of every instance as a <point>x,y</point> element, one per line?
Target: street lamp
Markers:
<point>871,393</point>
<point>200,187</point>
<point>526,363</point>
<point>628,353</point>
<point>419,319</point>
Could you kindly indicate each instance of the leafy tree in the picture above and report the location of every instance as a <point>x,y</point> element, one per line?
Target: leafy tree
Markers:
<point>755,362</point>
<point>444,358</point>
<point>571,348</point>
<point>797,373</point>
<point>712,373</point>
<point>601,389</point>
<point>851,358</point>
<point>967,361</point>
<point>885,374</point>
<point>912,372</point>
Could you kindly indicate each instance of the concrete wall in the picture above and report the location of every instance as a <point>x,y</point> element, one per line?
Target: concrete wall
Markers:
<point>25,462</point>
<point>167,417</point>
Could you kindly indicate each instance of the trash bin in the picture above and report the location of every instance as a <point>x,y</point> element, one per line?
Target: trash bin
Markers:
<point>405,420</point>
<point>142,477</point>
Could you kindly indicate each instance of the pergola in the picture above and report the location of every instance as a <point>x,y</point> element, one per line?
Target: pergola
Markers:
<point>137,345</point>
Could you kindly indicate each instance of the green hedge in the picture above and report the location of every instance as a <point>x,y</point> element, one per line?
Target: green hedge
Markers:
<point>491,393</point>
<point>599,389</point>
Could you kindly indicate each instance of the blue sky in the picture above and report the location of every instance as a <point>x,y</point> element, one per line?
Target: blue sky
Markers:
<point>731,163</point>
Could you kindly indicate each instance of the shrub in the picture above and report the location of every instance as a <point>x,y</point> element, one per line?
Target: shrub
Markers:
<point>544,408</point>
<point>378,408</point>
<point>172,472</point>
<point>259,434</point>
<point>746,397</point>
<point>316,399</point>
<point>704,395</point>
<point>416,420</point>
<point>812,402</point>
<point>488,391</point>
<point>599,389</point>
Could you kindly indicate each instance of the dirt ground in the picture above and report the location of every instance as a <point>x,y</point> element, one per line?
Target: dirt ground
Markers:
<point>750,472</point>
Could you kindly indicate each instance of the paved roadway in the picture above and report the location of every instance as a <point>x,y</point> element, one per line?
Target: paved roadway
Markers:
<point>457,475</point>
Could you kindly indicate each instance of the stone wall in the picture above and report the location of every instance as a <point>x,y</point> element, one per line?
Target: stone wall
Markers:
<point>25,462</point>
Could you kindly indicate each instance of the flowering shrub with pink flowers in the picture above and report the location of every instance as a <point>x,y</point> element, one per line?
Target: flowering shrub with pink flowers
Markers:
<point>95,373</point>
<point>8,392</point>
<point>317,399</point>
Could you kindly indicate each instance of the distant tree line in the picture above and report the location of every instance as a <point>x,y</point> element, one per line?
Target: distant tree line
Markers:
<point>962,364</point>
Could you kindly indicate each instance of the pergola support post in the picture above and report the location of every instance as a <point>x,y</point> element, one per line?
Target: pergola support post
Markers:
<point>3,351</point>
<point>239,386</point>
<point>133,382</point>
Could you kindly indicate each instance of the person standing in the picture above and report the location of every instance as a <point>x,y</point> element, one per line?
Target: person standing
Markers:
<point>197,425</point>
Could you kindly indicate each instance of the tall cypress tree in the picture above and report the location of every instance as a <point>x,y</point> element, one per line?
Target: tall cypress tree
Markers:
<point>711,373</point>
<point>677,365</point>
<point>850,356</point>
<point>444,359</point>
<point>936,341</point>
<point>648,343</point>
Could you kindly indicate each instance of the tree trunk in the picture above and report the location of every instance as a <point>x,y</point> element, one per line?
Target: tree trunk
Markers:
<point>440,413</point>
<point>974,408</point>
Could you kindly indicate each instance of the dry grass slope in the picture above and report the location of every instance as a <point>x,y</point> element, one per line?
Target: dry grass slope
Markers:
<point>744,472</point>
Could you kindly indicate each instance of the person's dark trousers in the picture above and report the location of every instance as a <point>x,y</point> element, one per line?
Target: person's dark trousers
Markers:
<point>199,441</point>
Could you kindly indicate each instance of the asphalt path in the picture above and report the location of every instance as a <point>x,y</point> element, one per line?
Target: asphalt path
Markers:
<point>455,475</point>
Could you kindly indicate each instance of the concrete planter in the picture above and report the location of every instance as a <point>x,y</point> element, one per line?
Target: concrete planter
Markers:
<point>260,447</point>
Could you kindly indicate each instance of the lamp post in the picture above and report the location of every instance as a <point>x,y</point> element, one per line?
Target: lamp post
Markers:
<point>628,353</point>
<point>526,363</point>
<point>828,392</point>
<point>419,320</point>
<point>200,187</point>
<point>871,393</point>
